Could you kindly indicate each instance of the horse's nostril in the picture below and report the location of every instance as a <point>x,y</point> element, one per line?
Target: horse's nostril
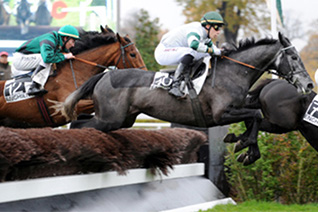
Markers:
<point>310,86</point>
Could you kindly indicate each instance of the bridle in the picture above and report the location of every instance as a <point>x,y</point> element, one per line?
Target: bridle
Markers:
<point>123,55</point>
<point>288,76</point>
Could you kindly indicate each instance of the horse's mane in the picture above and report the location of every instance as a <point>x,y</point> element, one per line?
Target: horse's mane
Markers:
<point>248,43</point>
<point>92,39</point>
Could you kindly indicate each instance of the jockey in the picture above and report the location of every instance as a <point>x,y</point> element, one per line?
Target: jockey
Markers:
<point>40,52</point>
<point>188,42</point>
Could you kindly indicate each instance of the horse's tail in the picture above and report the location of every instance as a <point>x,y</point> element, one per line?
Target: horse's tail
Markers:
<point>84,91</point>
<point>252,100</point>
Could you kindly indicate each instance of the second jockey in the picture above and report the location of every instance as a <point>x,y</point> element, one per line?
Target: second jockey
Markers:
<point>40,52</point>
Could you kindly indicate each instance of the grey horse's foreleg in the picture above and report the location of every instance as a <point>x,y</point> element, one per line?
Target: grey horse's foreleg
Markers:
<point>249,157</point>
<point>249,137</point>
<point>253,152</point>
<point>232,138</point>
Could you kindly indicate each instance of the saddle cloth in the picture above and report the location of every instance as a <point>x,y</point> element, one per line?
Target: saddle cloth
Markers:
<point>15,89</point>
<point>311,114</point>
<point>164,80</point>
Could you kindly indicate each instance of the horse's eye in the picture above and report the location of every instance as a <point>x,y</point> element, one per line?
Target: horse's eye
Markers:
<point>294,57</point>
<point>132,55</point>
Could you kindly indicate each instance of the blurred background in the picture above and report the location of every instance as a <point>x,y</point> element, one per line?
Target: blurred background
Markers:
<point>146,21</point>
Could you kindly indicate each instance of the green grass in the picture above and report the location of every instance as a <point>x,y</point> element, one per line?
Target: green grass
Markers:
<point>254,206</point>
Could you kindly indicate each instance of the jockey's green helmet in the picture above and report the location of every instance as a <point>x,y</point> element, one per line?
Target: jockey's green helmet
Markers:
<point>69,31</point>
<point>211,18</point>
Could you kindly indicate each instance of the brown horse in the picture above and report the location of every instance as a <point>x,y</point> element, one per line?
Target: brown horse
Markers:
<point>103,49</point>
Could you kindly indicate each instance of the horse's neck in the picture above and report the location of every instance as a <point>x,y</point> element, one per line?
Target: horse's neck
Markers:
<point>105,55</point>
<point>259,57</point>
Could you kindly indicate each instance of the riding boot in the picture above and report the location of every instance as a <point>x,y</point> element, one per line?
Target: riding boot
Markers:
<point>175,90</point>
<point>35,88</point>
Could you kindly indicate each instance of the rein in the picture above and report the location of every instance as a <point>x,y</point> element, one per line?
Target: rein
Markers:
<point>90,63</point>
<point>239,62</point>
<point>122,55</point>
<point>266,66</point>
<point>83,61</point>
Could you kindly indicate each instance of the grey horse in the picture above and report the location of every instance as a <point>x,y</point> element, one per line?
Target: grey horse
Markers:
<point>120,95</point>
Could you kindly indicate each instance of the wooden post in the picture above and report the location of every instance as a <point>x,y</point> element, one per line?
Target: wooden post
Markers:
<point>216,158</point>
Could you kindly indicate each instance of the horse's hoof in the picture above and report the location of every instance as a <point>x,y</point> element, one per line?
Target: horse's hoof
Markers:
<point>241,157</point>
<point>259,114</point>
<point>248,161</point>
<point>230,138</point>
<point>238,146</point>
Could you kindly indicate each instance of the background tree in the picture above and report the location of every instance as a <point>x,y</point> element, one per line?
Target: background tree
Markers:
<point>241,16</point>
<point>309,55</point>
<point>286,171</point>
<point>292,32</point>
<point>147,38</point>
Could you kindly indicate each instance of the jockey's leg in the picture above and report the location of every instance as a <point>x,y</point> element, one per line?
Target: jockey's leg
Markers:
<point>35,87</point>
<point>186,61</point>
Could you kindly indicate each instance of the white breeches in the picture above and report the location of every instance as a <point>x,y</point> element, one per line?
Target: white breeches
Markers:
<point>23,63</point>
<point>173,55</point>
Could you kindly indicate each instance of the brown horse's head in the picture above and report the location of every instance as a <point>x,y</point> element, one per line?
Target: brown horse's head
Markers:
<point>130,57</point>
<point>119,51</point>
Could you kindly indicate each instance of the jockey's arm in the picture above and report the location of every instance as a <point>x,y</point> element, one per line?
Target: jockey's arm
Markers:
<point>193,39</point>
<point>49,52</point>
<point>194,43</point>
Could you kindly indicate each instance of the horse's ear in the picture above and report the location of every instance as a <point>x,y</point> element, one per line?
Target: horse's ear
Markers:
<point>109,30</point>
<point>283,40</point>
<point>119,37</point>
<point>102,29</point>
<point>280,36</point>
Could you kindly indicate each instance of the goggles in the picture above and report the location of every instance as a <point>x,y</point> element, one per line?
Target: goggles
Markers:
<point>216,27</point>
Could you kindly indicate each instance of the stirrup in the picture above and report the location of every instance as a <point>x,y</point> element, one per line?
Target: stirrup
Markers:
<point>176,92</point>
<point>38,92</point>
<point>35,90</point>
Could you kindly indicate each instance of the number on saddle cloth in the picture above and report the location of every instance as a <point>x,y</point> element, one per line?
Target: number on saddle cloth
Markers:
<point>162,80</point>
<point>15,89</point>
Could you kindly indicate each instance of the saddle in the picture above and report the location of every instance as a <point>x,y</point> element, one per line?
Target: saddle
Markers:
<point>196,69</point>
<point>196,74</point>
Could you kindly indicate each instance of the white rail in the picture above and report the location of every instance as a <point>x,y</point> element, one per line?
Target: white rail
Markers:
<point>50,186</point>
<point>151,125</point>
<point>156,125</point>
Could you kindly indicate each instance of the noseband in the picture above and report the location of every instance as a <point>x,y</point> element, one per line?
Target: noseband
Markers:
<point>122,55</point>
